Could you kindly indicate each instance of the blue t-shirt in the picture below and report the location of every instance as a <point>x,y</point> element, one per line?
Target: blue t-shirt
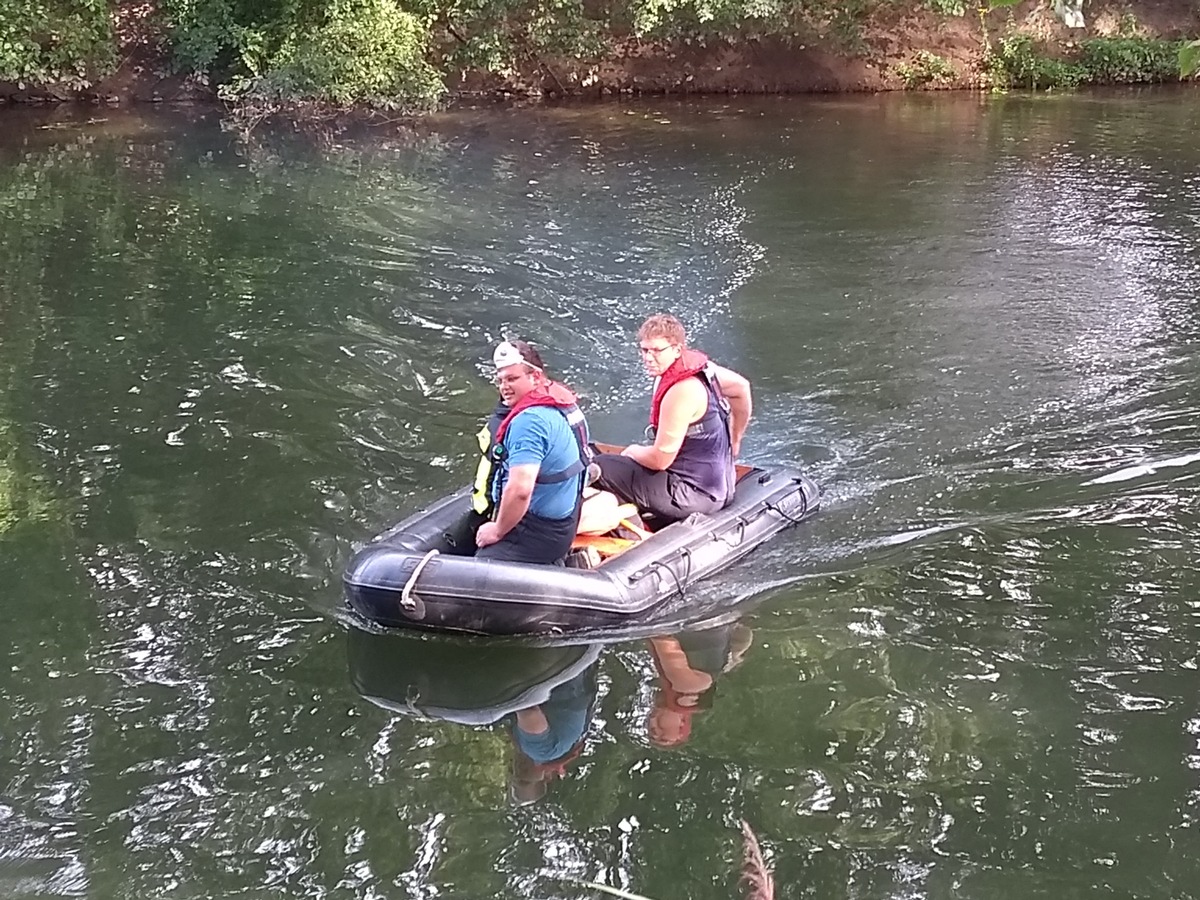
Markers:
<point>568,710</point>
<point>541,435</point>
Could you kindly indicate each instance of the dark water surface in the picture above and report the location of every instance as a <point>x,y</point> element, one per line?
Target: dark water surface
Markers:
<point>974,675</point>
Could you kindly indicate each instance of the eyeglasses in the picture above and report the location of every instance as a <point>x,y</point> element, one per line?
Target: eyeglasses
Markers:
<point>502,380</point>
<point>655,351</point>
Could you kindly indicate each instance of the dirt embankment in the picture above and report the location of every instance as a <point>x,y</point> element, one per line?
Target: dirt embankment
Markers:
<point>873,58</point>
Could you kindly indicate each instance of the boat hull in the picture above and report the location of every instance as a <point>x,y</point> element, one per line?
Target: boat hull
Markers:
<point>459,593</point>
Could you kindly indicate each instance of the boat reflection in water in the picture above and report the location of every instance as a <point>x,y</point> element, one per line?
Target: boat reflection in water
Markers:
<point>543,696</point>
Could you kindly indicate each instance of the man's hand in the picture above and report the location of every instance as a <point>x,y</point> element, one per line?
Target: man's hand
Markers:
<point>488,534</point>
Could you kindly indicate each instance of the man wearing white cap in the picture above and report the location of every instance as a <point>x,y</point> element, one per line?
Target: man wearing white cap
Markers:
<point>537,459</point>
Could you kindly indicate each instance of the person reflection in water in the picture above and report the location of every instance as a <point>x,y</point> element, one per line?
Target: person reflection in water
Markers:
<point>688,664</point>
<point>549,737</point>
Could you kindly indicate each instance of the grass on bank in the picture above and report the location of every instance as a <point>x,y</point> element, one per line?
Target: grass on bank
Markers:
<point>1019,62</point>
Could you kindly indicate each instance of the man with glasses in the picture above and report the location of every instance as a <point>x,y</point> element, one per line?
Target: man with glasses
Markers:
<point>698,414</point>
<point>531,479</point>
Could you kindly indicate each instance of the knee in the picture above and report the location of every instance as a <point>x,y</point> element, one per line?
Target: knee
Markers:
<point>599,513</point>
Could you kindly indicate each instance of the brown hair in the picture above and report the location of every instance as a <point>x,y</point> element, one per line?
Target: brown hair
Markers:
<point>662,325</point>
<point>528,354</point>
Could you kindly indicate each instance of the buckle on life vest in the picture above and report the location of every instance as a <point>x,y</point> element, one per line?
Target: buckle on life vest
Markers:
<point>496,453</point>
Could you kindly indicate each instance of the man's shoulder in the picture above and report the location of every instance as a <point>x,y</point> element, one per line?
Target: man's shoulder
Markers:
<point>688,392</point>
<point>546,418</point>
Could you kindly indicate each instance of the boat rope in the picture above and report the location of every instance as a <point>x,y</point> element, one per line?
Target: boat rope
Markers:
<point>792,520</point>
<point>659,564</point>
<point>406,598</point>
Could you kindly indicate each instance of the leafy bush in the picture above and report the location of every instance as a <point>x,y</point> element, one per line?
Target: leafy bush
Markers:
<point>364,50</point>
<point>947,7</point>
<point>235,36</point>
<point>1129,60</point>
<point>343,51</point>
<point>48,41</point>
<point>1189,59</point>
<point>497,35</point>
<point>1018,63</point>
<point>1112,60</point>
<point>925,67</point>
<point>835,21</point>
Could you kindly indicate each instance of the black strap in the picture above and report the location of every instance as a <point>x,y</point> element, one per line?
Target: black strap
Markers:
<point>556,477</point>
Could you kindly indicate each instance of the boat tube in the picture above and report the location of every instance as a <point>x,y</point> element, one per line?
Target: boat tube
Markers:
<point>420,574</point>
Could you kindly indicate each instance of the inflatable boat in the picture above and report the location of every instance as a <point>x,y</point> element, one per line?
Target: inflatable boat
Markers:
<point>420,574</point>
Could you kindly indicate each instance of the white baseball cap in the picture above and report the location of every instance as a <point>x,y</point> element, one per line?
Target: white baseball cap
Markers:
<point>507,354</point>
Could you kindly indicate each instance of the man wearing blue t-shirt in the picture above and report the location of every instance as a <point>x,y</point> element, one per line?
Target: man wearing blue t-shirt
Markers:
<point>538,452</point>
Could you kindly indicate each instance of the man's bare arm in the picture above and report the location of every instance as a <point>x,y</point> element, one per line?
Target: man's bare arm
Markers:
<point>736,388</point>
<point>683,405</point>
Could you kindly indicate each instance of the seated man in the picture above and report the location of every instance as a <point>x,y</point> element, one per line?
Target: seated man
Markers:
<point>698,415</point>
<point>536,462</point>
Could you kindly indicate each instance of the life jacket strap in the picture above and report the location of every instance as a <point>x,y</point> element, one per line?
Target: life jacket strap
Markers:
<point>556,477</point>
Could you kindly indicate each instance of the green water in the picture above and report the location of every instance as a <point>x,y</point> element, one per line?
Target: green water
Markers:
<point>224,365</point>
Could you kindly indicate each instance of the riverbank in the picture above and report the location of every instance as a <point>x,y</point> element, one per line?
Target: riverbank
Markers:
<point>888,47</point>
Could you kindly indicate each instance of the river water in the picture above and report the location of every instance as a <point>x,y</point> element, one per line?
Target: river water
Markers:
<point>224,364</point>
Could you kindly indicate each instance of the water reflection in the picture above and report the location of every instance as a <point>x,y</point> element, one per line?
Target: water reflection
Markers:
<point>542,697</point>
<point>688,665</point>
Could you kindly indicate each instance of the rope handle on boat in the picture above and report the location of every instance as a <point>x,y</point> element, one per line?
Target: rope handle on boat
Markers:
<point>791,520</point>
<point>406,598</point>
<point>679,584</point>
<point>740,528</point>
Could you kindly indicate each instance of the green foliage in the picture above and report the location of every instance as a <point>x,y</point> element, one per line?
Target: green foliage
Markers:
<point>343,51</point>
<point>1129,60</point>
<point>373,50</point>
<point>1189,59</point>
<point>947,7</point>
<point>1113,60</point>
<point>708,16</point>
<point>1018,62</point>
<point>925,67</point>
<point>393,53</point>
<point>55,41</point>
<point>498,35</point>
<point>365,50</point>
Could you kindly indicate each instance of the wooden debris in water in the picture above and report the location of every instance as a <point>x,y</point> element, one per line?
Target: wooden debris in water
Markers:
<point>760,885</point>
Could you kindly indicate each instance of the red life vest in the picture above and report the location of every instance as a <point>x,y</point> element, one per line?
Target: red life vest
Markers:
<point>552,394</point>
<point>557,396</point>
<point>691,362</point>
<point>705,459</point>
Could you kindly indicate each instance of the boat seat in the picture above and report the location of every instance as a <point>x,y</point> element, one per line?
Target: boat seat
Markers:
<point>628,532</point>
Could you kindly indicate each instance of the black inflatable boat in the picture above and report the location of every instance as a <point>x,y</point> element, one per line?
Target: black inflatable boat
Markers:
<point>419,574</point>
